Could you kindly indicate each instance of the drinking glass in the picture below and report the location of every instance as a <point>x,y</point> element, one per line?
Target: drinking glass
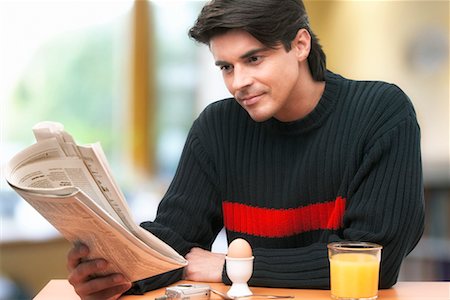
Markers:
<point>354,270</point>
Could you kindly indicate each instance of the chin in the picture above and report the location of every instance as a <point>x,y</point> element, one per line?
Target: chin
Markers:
<point>259,117</point>
<point>260,113</point>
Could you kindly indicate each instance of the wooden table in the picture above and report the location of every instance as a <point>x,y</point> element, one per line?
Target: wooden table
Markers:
<point>61,289</point>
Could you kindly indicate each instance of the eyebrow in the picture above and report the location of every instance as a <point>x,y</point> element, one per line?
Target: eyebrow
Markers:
<point>243,56</point>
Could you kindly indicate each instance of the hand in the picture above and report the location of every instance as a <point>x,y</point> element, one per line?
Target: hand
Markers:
<point>204,266</point>
<point>86,284</point>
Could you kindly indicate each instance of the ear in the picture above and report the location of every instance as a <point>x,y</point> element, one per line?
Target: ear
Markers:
<point>301,44</point>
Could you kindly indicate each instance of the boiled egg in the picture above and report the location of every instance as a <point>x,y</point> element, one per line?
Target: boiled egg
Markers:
<point>239,248</point>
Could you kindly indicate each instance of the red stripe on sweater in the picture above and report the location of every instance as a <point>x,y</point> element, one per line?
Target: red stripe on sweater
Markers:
<point>268,222</point>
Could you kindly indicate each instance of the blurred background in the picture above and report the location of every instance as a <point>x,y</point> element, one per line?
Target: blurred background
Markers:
<point>124,73</point>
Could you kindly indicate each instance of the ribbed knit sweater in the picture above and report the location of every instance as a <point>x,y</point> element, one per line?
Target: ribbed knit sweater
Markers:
<point>350,170</point>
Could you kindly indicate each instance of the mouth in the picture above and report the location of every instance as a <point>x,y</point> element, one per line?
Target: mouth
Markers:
<point>250,100</point>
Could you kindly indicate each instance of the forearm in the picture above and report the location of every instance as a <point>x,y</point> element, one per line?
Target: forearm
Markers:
<point>305,267</point>
<point>155,282</point>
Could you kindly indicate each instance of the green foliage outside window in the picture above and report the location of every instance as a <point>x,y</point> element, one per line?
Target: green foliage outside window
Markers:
<point>71,79</point>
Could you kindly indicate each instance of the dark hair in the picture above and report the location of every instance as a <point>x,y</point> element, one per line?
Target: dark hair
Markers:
<point>270,21</point>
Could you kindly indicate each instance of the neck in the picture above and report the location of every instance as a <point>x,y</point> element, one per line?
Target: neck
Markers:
<point>304,98</point>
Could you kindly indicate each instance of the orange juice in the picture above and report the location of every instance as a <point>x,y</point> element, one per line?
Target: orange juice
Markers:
<point>354,275</point>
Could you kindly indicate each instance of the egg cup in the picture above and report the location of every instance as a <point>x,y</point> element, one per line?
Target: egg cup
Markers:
<point>239,270</point>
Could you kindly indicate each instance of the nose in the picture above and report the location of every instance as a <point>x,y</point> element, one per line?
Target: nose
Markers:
<point>241,78</point>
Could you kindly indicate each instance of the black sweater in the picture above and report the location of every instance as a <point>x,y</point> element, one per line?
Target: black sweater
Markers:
<point>350,170</point>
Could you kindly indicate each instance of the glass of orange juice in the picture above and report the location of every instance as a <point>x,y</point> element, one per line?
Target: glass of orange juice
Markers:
<point>354,270</point>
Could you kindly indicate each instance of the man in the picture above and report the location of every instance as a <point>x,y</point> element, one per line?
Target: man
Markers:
<point>300,157</point>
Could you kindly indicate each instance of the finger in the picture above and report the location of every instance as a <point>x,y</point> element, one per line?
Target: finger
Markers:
<point>107,286</point>
<point>75,255</point>
<point>86,270</point>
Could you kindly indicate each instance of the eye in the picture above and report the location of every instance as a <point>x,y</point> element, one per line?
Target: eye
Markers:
<point>226,68</point>
<point>254,59</point>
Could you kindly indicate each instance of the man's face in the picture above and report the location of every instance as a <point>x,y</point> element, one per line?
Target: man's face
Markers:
<point>263,80</point>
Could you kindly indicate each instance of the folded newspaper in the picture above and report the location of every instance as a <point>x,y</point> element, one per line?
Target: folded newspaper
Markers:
<point>73,188</point>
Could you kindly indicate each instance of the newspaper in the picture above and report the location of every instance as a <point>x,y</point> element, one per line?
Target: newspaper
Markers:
<point>73,188</point>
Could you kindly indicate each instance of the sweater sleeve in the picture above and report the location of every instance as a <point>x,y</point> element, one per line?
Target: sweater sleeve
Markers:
<point>384,206</point>
<point>189,215</point>
<point>386,198</point>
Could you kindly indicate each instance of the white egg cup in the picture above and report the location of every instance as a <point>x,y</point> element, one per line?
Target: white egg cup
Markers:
<point>239,270</point>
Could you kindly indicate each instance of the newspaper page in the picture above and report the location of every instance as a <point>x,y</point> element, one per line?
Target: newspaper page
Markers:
<point>97,164</point>
<point>96,161</point>
<point>46,171</point>
<point>126,253</point>
<point>63,181</point>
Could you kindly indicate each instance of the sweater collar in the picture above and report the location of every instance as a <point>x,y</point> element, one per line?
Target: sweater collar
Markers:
<point>315,118</point>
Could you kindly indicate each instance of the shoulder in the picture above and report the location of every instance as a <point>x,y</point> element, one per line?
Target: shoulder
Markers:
<point>220,107</point>
<point>374,97</point>
<point>391,102</point>
<point>215,119</point>
<point>221,113</point>
<point>385,95</point>
<point>216,126</point>
<point>374,107</point>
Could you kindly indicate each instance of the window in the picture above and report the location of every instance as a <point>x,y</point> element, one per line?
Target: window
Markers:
<point>65,62</point>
